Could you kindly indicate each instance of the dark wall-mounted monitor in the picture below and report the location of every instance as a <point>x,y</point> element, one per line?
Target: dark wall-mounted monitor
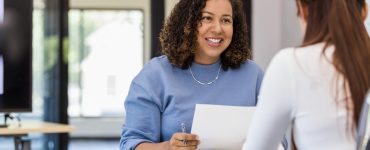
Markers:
<point>16,56</point>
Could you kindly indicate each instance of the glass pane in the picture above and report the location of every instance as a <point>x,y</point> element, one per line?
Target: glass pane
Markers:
<point>37,62</point>
<point>106,52</point>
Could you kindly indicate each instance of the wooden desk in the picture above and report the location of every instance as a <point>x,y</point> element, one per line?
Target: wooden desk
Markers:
<point>35,127</point>
<point>32,127</point>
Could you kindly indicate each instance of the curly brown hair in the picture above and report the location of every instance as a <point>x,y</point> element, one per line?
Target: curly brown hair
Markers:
<point>179,35</point>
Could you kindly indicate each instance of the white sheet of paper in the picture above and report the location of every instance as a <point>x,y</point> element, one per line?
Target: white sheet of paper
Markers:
<point>221,127</point>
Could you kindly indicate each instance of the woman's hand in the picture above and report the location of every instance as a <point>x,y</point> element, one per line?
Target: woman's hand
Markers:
<point>178,141</point>
<point>184,141</point>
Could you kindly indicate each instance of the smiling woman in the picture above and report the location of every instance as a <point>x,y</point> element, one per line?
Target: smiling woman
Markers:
<point>215,31</point>
<point>181,52</point>
<point>202,58</point>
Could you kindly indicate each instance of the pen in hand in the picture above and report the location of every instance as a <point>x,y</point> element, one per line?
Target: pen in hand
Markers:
<point>183,129</point>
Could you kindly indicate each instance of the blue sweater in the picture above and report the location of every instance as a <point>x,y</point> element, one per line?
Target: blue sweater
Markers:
<point>163,96</point>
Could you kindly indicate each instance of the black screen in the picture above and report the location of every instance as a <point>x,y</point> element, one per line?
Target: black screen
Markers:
<point>16,50</point>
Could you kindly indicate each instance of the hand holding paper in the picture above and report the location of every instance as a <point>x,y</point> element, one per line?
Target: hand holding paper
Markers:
<point>221,127</point>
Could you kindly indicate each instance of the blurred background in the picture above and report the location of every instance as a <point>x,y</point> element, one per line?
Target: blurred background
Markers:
<point>86,52</point>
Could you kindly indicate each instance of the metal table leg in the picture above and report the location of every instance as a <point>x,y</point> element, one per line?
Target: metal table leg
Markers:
<point>26,144</point>
<point>22,143</point>
<point>17,143</point>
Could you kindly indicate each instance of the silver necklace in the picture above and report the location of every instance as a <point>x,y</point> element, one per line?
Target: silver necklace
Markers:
<point>205,83</point>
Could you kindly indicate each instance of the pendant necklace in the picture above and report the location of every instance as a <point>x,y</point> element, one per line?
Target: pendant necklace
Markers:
<point>205,83</point>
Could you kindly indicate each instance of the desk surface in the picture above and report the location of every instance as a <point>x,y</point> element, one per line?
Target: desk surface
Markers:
<point>36,127</point>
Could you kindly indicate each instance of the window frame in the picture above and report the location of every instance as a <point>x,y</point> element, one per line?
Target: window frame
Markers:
<point>110,127</point>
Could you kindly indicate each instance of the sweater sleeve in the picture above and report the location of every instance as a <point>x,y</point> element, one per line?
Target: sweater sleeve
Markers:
<point>142,119</point>
<point>273,114</point>
<point>259,81</point>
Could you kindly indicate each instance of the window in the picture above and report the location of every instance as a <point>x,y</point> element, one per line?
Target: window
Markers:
<point>106,52</point>
<point>100,72</point>
<point>37,62</point>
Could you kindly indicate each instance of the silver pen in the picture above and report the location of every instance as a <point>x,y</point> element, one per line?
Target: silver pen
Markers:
<point>183,129</point>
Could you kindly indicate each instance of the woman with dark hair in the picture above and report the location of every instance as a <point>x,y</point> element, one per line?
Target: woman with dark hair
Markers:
<point>205,61</point>
<point>319,87</point>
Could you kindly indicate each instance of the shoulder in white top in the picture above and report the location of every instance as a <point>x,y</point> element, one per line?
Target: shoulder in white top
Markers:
<point>299,90</point>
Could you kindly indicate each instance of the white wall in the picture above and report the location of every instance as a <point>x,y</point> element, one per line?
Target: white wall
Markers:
<point>1,10</point>
<point>169,4</point>
<point>274,26</point>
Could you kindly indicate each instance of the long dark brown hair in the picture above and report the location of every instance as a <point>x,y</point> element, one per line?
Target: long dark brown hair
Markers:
<point>340,23</point>
<point>179,35</point>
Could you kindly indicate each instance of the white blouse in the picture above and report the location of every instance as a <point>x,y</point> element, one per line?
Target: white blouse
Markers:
<point>299,89</point>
